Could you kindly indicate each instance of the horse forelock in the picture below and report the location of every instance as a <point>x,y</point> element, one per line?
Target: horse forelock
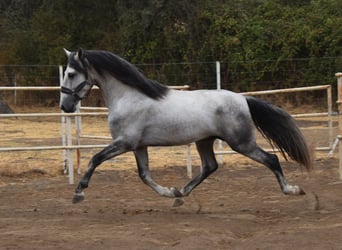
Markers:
<point>105,62</point>
<point>76,64</point>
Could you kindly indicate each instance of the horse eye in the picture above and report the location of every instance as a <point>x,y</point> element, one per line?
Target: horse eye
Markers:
<point>71,75</point>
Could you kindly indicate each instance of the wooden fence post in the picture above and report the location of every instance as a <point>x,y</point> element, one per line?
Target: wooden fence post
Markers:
<point>339,104</point>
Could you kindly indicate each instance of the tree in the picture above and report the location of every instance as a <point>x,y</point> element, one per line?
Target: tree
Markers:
<point>260,43</point>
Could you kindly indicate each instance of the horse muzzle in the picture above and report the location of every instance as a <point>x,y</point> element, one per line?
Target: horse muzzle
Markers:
<point>68,104</point>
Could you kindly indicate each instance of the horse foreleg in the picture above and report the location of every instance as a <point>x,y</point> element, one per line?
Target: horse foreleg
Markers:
<point>112,150</point>
<point>209,164</point>
<point>141,156</point>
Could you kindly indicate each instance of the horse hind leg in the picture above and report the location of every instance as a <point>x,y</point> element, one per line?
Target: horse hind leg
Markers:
<point>244,142</point>
<point>271,161</point>
<point>209,165</point>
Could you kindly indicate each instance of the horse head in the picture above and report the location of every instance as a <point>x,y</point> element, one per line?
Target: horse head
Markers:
<point>76,84</point>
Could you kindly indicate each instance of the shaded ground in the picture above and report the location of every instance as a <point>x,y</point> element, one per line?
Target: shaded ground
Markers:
<point>239,207</point>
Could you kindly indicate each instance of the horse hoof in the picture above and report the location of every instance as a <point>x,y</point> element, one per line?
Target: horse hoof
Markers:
<point>78,197</point>
<point>297,190</point>
<point>176,192</point>
<point>301,192</point>
<point>178,202</point>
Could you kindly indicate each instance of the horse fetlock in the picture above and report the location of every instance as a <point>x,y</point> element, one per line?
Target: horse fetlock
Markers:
<point>185,191</point>
<point>83,184</point>
<point>293,190</point>
<point>78,197</point>
<point>175,192</point>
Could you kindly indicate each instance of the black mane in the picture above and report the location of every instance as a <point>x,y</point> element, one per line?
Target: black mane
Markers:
<point>103,61</point>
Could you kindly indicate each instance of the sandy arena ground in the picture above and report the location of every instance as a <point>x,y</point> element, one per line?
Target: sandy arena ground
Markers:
<point>239,207</point>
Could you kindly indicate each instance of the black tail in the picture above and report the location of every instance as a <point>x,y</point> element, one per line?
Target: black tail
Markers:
<point>280,129</point>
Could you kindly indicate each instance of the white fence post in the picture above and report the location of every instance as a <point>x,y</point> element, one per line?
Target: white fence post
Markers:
<point>63,123</point>
<point>218,75</point>
<point>218,86</point>
<point>78,124</point>
<point>66,138</point>
<point>69,143</point>
<point>339,103</point>
<point>188,161</point>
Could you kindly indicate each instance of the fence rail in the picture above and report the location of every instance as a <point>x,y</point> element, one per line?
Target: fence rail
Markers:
<point>67,146</point>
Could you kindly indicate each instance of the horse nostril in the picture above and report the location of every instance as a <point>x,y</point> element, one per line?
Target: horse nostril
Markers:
<point>63,108</point>
<point>68,108</point>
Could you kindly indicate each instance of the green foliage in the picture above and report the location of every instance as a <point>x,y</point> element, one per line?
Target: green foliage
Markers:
<point>261,43</point>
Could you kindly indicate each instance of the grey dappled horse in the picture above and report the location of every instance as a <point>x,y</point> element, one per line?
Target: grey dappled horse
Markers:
<point>144,113</point>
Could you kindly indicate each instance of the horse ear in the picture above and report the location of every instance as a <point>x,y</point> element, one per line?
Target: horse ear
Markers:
<point>67,52</point>
<point>80,54</point>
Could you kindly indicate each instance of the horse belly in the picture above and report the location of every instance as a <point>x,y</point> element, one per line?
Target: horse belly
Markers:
<point>178,131</point>
<point>171,138</point>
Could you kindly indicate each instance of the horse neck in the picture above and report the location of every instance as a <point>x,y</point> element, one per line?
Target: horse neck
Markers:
<point>114,91</point>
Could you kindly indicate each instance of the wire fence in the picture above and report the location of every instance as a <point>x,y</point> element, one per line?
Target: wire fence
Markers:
<point>238,76</point>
